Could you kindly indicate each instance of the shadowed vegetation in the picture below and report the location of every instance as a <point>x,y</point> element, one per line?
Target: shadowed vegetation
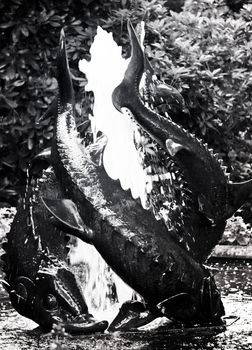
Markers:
<point>204,51</point>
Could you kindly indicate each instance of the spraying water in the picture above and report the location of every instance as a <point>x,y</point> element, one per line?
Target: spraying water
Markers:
<point>104,72</point>
<point>104,290</point>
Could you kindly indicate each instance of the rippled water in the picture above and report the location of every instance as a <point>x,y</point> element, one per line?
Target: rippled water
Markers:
<point>235,281</point>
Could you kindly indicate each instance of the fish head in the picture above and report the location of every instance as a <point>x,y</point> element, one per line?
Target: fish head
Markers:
<point>53,296</point>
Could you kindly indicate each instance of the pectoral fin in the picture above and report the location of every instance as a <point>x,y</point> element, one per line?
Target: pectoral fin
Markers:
<point>40,161</point>
<point>67,217</point>
<point>179,306</point>
<point>210,298</point>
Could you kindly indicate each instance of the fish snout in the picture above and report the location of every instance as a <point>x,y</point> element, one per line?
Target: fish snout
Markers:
<point>83,324</point>
<point>61,302</point>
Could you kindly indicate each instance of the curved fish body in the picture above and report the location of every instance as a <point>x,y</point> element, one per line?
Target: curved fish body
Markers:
<point>209,198</point>
<point>136,246</point>
<point>38,279</point>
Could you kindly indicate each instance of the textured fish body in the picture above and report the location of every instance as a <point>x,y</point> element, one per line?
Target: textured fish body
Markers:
<point>201,196</point>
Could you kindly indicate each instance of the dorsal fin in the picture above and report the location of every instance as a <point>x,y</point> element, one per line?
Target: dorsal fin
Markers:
<point>66,94</point>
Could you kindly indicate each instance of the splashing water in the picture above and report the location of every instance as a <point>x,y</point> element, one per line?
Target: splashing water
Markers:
<point>104,72</point>
<point>104,291</point>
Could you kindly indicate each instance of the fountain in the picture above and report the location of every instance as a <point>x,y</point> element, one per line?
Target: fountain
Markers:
<point>105,291</point>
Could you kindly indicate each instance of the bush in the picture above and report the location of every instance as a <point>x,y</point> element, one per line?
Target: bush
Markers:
<point>204,51</point>
<point>30,34</point>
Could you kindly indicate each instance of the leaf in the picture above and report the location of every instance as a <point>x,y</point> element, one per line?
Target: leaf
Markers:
<point>243,240</point>
<point>30,143</point>
<point>7,193</point>
<point>34,65</point>
<point>31,110</point>
<point>10,72</point>
<point>24,31</point>
<point>18,83</point>
<point>55,24</point>
<point>48,135</point>
<point>10,103</point>
<point>53,84</point>
<point>7,25</point>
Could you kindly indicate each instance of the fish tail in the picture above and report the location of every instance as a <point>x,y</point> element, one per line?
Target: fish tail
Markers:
<point>65,86</point>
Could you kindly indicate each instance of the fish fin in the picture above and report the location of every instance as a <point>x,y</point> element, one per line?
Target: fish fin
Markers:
<point>40,161</point>
<point>210,297</point>
<point>177,306</point>
<point>67,217</point>
<point>5,285</point>
<point>173,147</point>
<point>132,314</point>
<point>238,194</point>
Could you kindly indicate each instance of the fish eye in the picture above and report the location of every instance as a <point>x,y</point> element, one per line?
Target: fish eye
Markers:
<point>50,302</point>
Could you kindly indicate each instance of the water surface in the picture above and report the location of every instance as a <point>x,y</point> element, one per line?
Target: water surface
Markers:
<point>233,277</point>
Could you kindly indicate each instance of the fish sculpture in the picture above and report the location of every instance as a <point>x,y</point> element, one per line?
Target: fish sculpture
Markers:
<point>138,247</point>
<point>130,155</point>
<point>38,278</point>
<point>202,197</point>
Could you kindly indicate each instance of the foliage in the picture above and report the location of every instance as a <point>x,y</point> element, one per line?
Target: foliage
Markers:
<point>204,51</point>
<point>30,34</point>
<point>237,232</point>
<point>207,56</point>
<point>6,217</point>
